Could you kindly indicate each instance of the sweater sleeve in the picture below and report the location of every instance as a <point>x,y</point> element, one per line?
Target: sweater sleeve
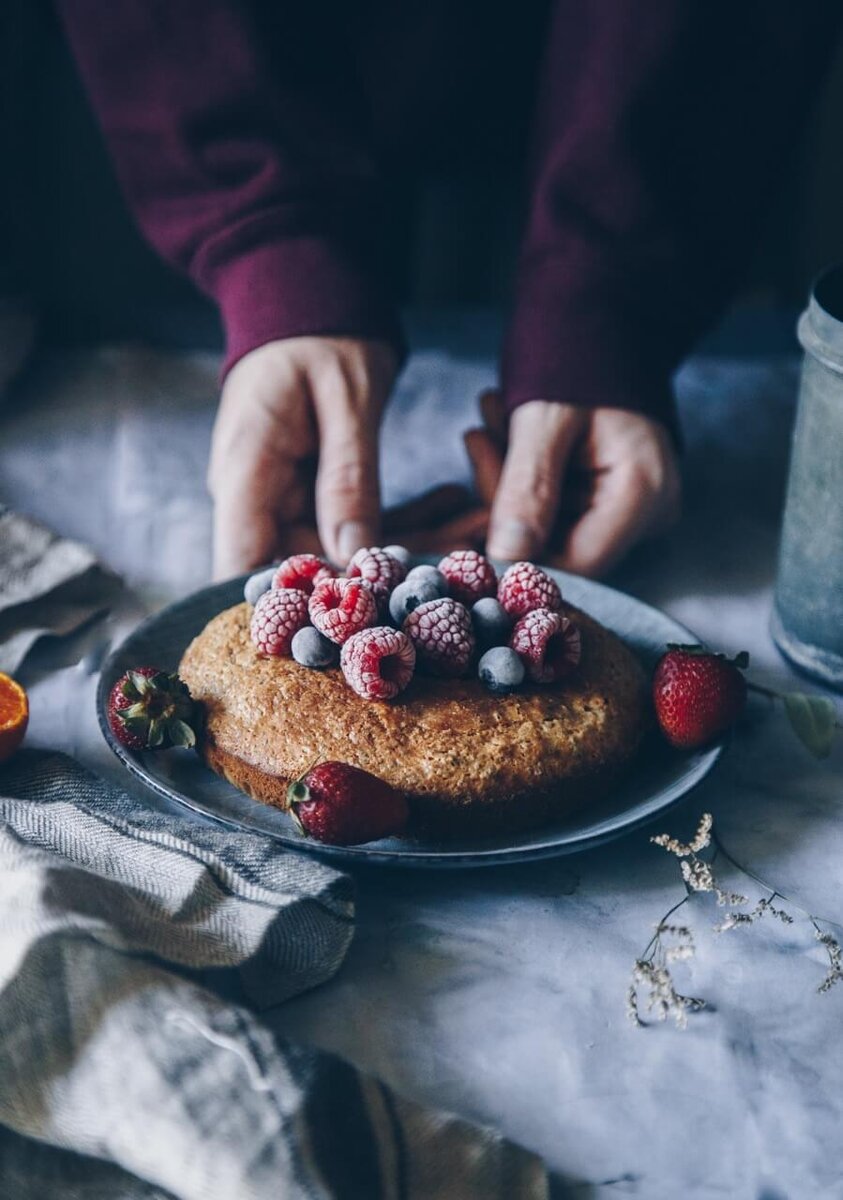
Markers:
<point>660,130</point>
<point>250,179</point>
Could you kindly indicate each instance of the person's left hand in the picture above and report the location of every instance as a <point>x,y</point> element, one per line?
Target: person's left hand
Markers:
<point>575,487</point>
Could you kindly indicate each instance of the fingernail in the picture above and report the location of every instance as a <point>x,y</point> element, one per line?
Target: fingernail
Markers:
<point>512,539</point>
<point>351,535</point>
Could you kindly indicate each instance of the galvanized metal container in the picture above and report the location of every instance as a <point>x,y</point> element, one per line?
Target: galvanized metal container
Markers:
<point>807,620</point>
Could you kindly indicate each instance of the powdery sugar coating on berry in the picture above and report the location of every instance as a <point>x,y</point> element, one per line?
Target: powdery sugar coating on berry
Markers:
<point>378,663</point>
<point>379,568</point>
<point>441,632</point>
<point>302,571</point>
<point>525,587</point>
<point>342,607</point>
<point>470,575</point>
<point>549,643</point>
<point>277,617</point>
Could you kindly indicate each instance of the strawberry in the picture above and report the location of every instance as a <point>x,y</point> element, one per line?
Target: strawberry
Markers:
<point>344,805</point>
<point>697,695</point>
<point>151,710</point>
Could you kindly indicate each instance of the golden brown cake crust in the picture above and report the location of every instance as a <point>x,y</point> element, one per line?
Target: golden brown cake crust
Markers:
<point>467,760</point>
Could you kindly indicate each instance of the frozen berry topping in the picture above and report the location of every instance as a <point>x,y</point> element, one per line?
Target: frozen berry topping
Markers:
<point>401,553</point>
<point>430,575</point>
<point>278,616</point>
<point>525,587</point>
<point>492,623</point>
<point>549,643</point>
<point>341,607</point>
<point>501,670</point>
<point>378,663</point>
<point>470,576</point>
<point>257,584</point>
<point>302,571</point>
<point>378,568</point>
<point>408,596</point>
<point>312,649</point>
<point>441,632</point>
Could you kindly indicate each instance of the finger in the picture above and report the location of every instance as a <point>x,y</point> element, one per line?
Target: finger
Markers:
<point>493,414</point>
<point>486,462</point>
<point>466,532</point>
<point>246,514</point>
<point>621,513</point>
<point>347,484</point>
<point>542,437</point>
<point>428,509</point>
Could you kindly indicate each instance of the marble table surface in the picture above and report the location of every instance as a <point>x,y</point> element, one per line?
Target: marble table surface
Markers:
<point>501,994</point>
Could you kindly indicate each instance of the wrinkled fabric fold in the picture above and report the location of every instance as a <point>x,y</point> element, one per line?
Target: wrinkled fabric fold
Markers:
<point>136,951</point>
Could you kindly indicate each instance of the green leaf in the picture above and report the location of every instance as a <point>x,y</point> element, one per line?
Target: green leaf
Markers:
<point>812,719</point>
<point>180,733</point>
<point>135,712</point>
<point>157,729</point>
<point>141,682</point>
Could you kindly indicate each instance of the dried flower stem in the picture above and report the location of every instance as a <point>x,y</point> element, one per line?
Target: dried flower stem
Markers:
<point>651,968</point>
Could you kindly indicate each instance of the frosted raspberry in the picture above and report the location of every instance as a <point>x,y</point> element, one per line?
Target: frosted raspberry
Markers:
<point>277,617</point>
<point>549,643</point>
<point>441,632</point>
<point>525,587</point>
<point>381,570</point>
<point>378,663</point>
<point>302,571</point>
<point>340,607</point>
<point>470,576</point>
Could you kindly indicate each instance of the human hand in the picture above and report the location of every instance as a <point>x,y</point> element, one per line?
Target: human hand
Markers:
<point>294,452</point>
<point>576,487</point>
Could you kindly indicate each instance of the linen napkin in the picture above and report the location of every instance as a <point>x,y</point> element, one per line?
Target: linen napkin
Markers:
<point>136,951</point>
<point>48,585</point>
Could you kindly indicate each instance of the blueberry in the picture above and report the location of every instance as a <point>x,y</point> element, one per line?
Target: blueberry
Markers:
<point>401,553</point>
<point>492,624</point>
<point>257,584</point>
<point>501,670</point>
<point>430,575</point>
<point>311,649</point>
<point>409,595</point>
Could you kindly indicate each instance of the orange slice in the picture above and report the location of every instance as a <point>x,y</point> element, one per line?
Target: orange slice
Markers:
<point>14,716</point>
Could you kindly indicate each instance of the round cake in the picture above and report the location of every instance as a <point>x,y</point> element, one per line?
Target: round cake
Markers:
<point>467,760</point>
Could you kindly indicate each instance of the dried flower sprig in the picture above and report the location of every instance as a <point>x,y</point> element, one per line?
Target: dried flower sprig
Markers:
<point>835,966</point>
<point>651,969</point>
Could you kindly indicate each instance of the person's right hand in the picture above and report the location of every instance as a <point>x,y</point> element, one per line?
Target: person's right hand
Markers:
<point>295,450</point>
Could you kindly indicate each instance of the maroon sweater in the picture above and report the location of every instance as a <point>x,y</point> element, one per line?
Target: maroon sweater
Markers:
<point>658,130</point>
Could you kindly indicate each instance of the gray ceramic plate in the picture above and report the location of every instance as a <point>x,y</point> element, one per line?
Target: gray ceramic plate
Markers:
<point>660,777</point>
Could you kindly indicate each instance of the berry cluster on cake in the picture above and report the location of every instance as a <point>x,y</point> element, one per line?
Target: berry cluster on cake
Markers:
<point>490,703</point>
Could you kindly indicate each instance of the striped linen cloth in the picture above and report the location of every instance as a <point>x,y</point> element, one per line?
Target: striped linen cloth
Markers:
<point>137,951</point>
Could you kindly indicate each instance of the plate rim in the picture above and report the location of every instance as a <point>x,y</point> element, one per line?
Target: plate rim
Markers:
<point>401,858</point>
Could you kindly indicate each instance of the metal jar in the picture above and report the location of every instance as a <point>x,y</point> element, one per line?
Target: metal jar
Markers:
<point>807,620</point>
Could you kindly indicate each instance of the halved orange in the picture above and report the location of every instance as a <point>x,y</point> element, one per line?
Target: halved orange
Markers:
<point>14,716</point>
